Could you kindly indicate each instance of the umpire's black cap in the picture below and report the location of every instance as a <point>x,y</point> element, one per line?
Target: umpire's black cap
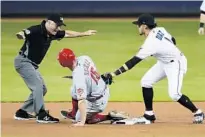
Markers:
<point>57,18</point>
<point>146,19</point>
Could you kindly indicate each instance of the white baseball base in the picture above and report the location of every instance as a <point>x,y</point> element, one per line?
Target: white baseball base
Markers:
<point>133,121</point>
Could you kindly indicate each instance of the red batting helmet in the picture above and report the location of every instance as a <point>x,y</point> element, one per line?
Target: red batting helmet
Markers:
<point>66,57</point>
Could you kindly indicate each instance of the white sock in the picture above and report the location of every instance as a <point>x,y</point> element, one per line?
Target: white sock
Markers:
<point>149,112</point>
<point>198,111</point>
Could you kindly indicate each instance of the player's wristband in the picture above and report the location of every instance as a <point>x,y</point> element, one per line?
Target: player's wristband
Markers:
<point>122,69</point>
<point>113,74</point>
<point>201,25</point>
<point>128,65</point>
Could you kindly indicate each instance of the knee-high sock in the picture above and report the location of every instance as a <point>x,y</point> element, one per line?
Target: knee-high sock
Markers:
<point>186,102</point>
<point>74,107</point>
<point>148,98</point>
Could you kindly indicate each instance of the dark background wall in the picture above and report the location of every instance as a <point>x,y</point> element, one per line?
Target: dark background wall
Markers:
<point>100,8</point>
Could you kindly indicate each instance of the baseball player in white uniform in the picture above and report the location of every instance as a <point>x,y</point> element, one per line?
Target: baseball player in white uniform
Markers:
<point>89,91</point>
<point>171,63</point>
<point>202,18</point>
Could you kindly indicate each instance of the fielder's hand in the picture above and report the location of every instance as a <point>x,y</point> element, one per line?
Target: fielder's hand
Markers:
<point>201,31</point>
<point>89,32</point>
<point>107,77</point>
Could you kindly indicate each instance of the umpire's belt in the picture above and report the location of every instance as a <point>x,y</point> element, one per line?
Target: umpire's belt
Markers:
<point>23,55</point>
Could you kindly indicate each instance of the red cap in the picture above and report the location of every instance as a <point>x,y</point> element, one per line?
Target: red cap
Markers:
<point>66,58</point>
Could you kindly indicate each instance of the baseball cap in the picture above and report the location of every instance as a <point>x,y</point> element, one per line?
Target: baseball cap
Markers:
<point>146,19</point>
<point>57,18</point>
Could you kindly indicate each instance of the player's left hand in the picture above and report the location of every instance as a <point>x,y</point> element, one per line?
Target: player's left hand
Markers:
<point>90,32</point>
<point>78,124</point>
<point>201,31</point>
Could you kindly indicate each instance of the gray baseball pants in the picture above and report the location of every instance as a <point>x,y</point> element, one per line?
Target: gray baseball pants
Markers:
<point>34,82</point>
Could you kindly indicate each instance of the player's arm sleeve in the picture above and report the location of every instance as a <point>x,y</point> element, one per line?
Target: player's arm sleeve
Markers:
<point>127,66</point>
<point>145,51</point>
<point>80,84</point>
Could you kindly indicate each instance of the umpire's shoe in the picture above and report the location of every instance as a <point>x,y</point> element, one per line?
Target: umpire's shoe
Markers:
<point>67,114</point>
<point>23,115</point>
<point>44,117</point>
<point>145,119</point>
<point>198,117</point>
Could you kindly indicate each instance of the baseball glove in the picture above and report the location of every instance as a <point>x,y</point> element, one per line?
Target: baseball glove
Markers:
<point>107,77</point>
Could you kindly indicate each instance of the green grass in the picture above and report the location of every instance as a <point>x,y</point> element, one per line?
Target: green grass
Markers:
<point>115,42</point>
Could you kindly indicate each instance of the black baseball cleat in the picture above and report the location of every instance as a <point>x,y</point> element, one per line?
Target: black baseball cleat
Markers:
<point>44,117</point>
<point>67,114</point>
<point>23,115</point>
<point>198,118</point>
<point>150,117</point>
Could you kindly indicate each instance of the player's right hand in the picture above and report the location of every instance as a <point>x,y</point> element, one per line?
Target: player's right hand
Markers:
<point>201,31</point>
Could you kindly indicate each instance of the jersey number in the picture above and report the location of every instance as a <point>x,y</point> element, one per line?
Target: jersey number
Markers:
<point>159,35</point>
<point>94,75</point>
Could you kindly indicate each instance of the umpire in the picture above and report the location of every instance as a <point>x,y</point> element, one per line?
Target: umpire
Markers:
<point>38,39</point>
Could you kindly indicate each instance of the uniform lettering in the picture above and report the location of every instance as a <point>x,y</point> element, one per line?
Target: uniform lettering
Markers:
<point>94,75</point>
<point>86,67</point>
<point>159,35</point>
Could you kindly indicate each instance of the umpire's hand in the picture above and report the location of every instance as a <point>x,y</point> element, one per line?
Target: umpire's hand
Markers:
<point>90,32</point>
<point>107,77</point>
<point>20,35</point>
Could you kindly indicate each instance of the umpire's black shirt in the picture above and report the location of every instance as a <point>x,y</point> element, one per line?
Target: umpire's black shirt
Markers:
<point>38,42</point>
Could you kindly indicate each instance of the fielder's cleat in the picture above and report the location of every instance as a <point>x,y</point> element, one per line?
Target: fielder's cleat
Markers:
<point>67,114</point>
<point>145,119</point>
<point>23,115</point>
<point>198,118</point>
<point>44,117</point>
